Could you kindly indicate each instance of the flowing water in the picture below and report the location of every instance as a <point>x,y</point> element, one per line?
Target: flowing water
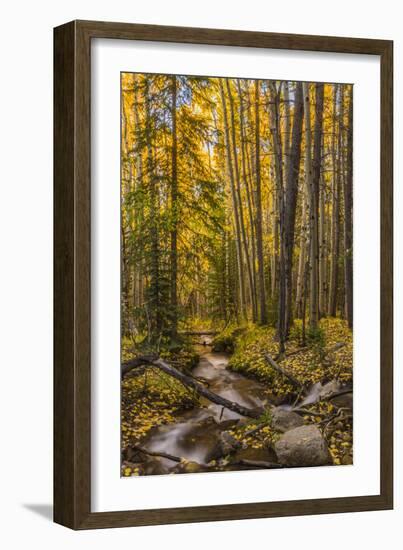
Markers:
<point>195,434</point>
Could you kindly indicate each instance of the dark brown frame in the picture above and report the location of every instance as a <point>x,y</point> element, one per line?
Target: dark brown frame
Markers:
<point>72,242</point>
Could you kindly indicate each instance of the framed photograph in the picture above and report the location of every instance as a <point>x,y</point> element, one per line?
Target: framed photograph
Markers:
<point>223,275</point>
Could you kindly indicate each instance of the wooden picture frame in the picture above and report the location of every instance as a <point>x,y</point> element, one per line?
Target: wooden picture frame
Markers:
<point>72,269</point>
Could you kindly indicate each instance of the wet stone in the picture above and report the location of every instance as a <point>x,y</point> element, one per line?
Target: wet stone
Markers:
<point>303,446</point>
<point>155,467</point>
<point>225,445</point>
<point>283,420</point>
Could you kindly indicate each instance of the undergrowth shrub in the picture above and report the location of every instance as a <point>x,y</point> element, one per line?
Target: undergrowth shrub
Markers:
<point>225,340</point>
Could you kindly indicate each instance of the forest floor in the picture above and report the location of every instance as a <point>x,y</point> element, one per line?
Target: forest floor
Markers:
<point>319,360</point>
<point>153,398</point>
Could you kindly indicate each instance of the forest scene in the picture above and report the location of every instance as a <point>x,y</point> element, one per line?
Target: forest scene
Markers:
<point>236,274</point>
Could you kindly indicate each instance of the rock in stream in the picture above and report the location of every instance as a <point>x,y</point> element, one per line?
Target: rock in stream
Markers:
<point>302,446</point>
<point>283,420</point>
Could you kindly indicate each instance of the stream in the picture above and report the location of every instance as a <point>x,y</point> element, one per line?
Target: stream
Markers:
<point>195,434</point>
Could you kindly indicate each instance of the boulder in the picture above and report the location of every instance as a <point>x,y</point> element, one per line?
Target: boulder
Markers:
<point>274,399</point>
<point>302,446</point>
<point>226,444</point>
<point>155,467</point>
<point>283,420</point>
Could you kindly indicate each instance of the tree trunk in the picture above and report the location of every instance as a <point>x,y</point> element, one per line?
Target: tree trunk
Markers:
<point>322,251</point>
<point>314,210</point>
<point>334,256</point>
<point>139,187</point>
<point>154,269</point>
<point>287,129</point>
<point>274,121</point>
<point>259,233</point>
<point>238,192</point>
<point>302,255</point>
<point>174,213</point>
<point>249,203</point>
<point>348,210</point>
<point>125,274</point>
<point>289,212</point>
<point>234,204</point>
<point>275,255</point>
<point>304,292</point>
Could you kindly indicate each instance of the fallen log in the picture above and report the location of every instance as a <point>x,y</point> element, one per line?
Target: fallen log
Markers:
<point>202,333</point>
<point>286,374</point>
<point>158,454</point>
<point>242,462</point>
<point>140,361</point>
<point>256,464</point>
<point>308,412</point>
<point>137,372</point>
<point>188,381</point>
<point>337,394</point>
